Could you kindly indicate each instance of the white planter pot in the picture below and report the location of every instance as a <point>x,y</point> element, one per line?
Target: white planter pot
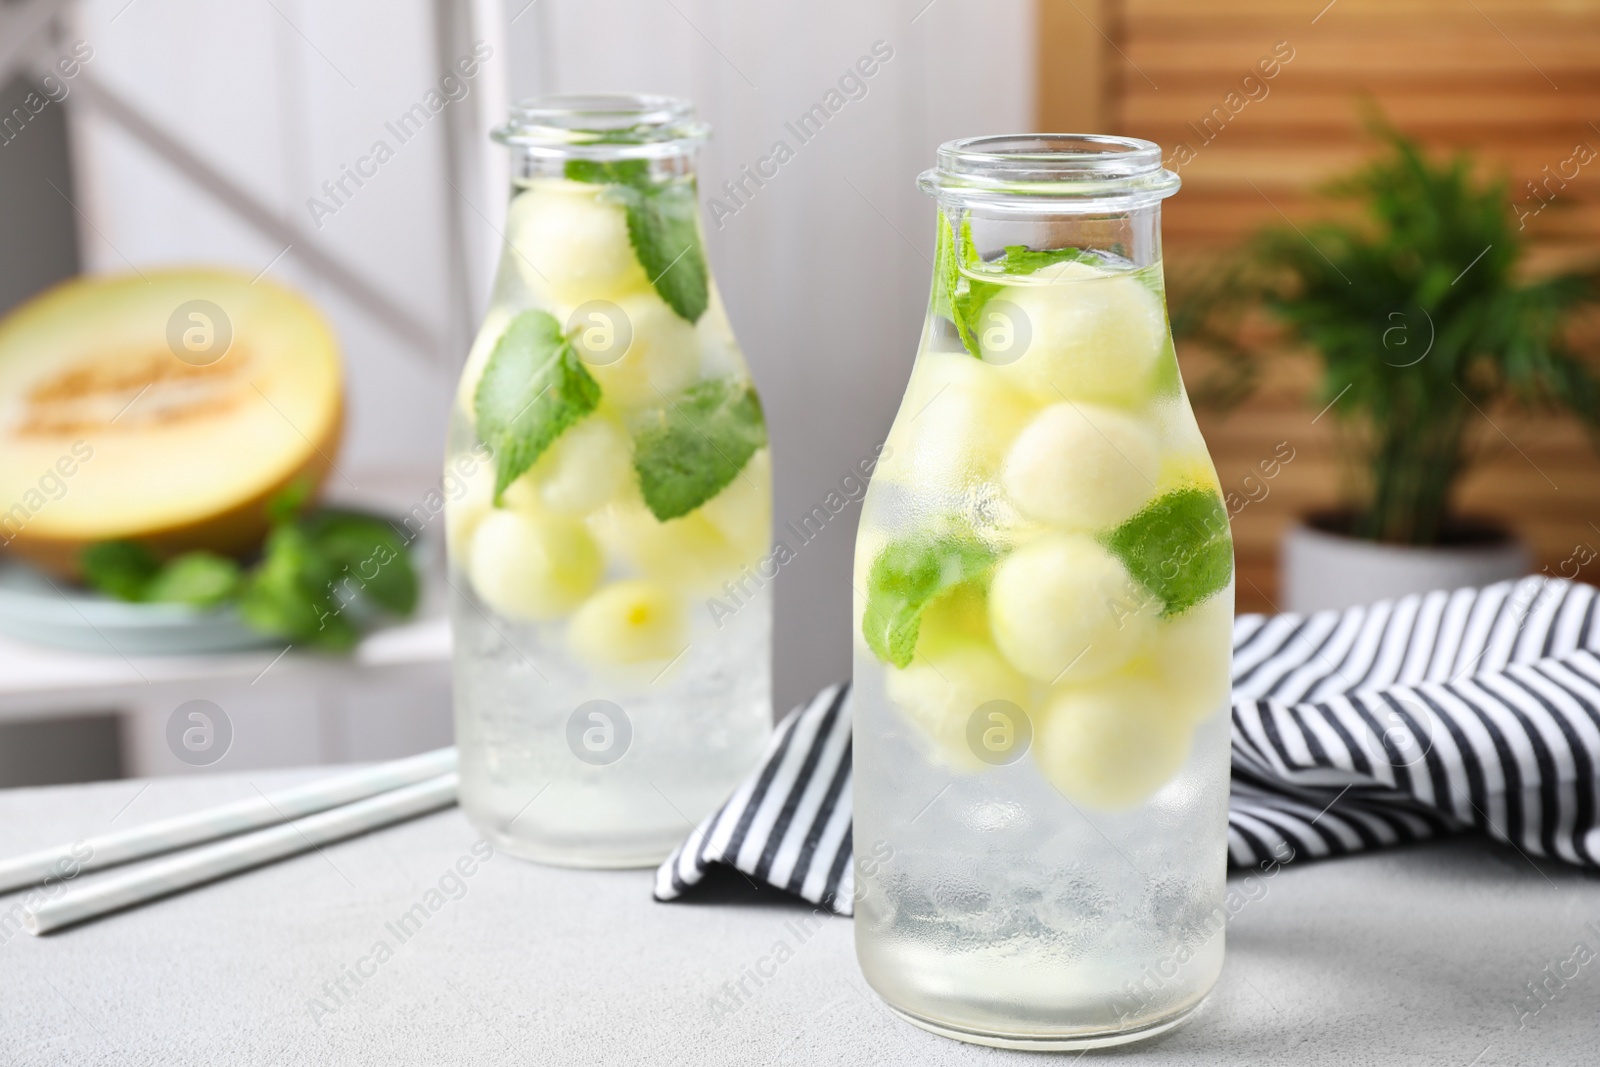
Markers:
<point>1321,570</point>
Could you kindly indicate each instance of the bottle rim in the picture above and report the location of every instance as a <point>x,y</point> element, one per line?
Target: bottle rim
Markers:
<point>1076,170</point>
<point>603,126</point>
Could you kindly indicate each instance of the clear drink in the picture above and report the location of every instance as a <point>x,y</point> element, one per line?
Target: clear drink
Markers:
<point>1044,605</point>
<point>608,474</point>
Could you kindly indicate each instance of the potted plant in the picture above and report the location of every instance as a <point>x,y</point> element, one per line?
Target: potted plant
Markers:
<point>1422,323</point>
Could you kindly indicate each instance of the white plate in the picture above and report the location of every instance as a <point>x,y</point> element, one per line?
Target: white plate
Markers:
<point>49,611</point>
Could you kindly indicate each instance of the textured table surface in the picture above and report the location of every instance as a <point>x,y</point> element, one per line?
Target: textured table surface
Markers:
<point>1420,956</point>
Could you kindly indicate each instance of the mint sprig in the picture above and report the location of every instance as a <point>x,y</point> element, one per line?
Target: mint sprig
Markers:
<point>532,389</point>
<point>957,296</point>
<point>320,576</point>
<point>634,173</point>
<point>120,569</point>
<point>318,581</point>
<point>289,594</point>
<point>128,570</point>
<point>1020,259</point>
<point>366,548</point>
<point>1178,547</point>
<point>908,574</point>
<point>690,447</point>
<point>663,227</point>
<point>200,579</point>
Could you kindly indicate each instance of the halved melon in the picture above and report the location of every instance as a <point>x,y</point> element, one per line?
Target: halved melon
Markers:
<point>124,416</point>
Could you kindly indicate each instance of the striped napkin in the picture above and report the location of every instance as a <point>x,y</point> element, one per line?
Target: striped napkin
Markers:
<point>1355,729</point>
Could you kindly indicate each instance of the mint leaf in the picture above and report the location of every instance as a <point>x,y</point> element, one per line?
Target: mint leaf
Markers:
<point>687,450</point>
<point>908,575</point>
<point>311,571</point>
<point>1020,259</point>
<point>533,388</point>
<point>291,500</point>
<point>968,306</point>
<point>960,297</point>
<point>201,579</point>
<point>663,227</point>
<point>120,569</point>
<point>1178,547</point>
<point>634,172</point>
<point>289,594</point>
<point>946,271</point>
<point>369,555</point>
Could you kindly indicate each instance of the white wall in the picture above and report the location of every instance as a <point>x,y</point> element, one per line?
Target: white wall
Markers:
<point>825,272</point>
<point>278,96</point>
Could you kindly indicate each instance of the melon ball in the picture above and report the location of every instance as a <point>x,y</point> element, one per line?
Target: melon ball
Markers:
<point>742,512</point>
<point>1096,339</point>
<point>1082,466</point>
<point>469,497</point>
<point>1110,745</point>
<point>957,420</point>
<point>571,241</point>
<point>630,622</point>
<point>1191,658</point>
<point>532,567</point>
<point>1062,608</point>
<point>939,693</point>
<point>661,360</point>
<point>688,552</point>
<point>585,467</point>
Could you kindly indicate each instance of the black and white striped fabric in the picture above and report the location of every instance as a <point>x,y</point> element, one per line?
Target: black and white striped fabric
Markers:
<point>788,824</point>
<point>1432,714</point>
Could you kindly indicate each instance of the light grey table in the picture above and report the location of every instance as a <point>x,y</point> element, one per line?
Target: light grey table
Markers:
<point>1414,956</point>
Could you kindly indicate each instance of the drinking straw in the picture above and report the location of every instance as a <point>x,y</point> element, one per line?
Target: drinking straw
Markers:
<point>61,862</point>
<point>173,874</point>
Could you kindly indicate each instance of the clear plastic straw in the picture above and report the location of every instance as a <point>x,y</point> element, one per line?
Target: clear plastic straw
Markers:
<point>61,862</point>
<point>174,874</point>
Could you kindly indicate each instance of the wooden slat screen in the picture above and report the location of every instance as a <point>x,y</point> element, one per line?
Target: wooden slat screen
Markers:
<point>1515,81</point>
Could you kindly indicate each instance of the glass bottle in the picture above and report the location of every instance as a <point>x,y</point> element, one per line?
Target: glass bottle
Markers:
<point>609,496</point>
<point>1044,607</point>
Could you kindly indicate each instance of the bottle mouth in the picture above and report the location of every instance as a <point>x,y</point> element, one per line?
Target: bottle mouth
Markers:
<point>1075,171</point>
<point>604,126</point>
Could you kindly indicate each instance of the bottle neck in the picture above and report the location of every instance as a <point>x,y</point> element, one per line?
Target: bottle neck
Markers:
<point>1052,192</point>
<point>670,162</point>
<point>622,138</point>
<point>1129,235</point>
